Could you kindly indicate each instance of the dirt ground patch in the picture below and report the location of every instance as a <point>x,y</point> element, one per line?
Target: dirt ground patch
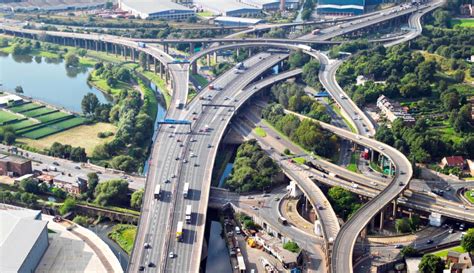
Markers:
<point>83,136</point>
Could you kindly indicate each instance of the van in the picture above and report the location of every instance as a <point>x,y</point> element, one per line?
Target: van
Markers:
<point>282,221</point>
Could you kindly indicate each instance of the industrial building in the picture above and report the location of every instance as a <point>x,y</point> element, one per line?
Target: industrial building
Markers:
<point>231,8</point>
<point>156,9</point>
<point>346,7</point>
<point>271,5</point>
<point>236,21</point>
<point>23,239</point>
<point>14,165</point>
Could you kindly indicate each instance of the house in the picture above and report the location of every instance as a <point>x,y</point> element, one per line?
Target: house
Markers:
<point>14,165</point>
<point>453,161</point>
<point>467,10</point>
<point>392,110</point>
<point>459,262</point>
<point>274,246</point>
<point>71,184</point>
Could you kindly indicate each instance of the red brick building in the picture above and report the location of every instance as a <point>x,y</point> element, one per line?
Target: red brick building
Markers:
<point>14,165</point>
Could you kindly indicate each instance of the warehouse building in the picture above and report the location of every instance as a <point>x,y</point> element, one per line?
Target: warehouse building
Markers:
<point>156,9</point>
<point>272,5</point>
<point>236,21</point>
<point>346,7</point>
<point>23,239</point>
<point>231,8</point>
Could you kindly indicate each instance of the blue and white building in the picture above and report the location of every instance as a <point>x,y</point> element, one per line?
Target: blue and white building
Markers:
<point>345,7</point>
<point>156,9</point>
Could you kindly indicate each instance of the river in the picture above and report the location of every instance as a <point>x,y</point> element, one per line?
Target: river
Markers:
<point>47,80</point>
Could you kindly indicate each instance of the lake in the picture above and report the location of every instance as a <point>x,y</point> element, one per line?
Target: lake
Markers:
<point>47,80</point>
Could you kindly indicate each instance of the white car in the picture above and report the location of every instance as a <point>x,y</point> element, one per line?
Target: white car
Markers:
<point>171,255</point>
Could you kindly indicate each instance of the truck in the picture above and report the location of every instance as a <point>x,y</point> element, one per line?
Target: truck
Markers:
<point>179,104</point>
<point>158,191</point>
<point>305,47</point>
<point>316,31</point>
<point>186,190</point>
<point>282,221</point>
<point>188,214</point>
<point>141,44</point>
<point>240,66</point>
<point>179,232</point>
<point>332,174</point>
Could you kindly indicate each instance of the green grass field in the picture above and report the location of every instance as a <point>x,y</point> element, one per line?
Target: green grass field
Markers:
<point>468,196</point>
<point>53,116</point>
<point>260,132</point>
<point>160,83</point>
<point>7,116</point>
<point>124,235</point>
<point>202,81</point>
<point>22,124</point>
<point>299,160</point>
<point>353,165</point>
<point>39,111</point>
<point>54,128</point>
<point>25,107</point>
<point>444,253</point>
<point>151,102</point>
<point>463,22</point>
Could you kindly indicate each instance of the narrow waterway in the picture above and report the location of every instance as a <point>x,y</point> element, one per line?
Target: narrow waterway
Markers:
<point>47,80</point>
<point>218,259</point>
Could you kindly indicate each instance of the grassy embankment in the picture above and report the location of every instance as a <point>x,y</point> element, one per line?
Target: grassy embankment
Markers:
<point>124,236</point>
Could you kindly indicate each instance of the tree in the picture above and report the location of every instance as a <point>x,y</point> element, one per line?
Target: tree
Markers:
<point>467,241</point>
<point>291,246</point>
<point>414,222</point>
<point>92,181</point>
<point>409,251</point>
<point>9,138</point>
<point>112,192</point>
<point>136,199</point>
<point>81,220</point>
<point>310,73</point>
<point>89,104</point>
<point>442,18</point>
<point>298,59</point>
<point>71,60</point>
<point>124,163</point>
<point>19,89</point>
<point>402,225</point>
<point>142,59</point>
<point>68,205</point>
<point>78,154</point>
<point>431,264</point>
<point>59,193</point>
<point>29,185</point>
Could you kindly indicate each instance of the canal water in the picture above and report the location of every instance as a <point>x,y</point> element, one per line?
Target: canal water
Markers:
<point>218,259</point>
<point>47,80</point>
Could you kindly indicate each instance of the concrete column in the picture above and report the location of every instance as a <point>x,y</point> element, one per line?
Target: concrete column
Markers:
<point>132,54</point>
<point>154,65</point>
<point>238,52</point>
<point>191,48</point>
<point>208,59</point>
<point>250,52</point>
<point>215,57</point>
<point>167,75</point>
<point>371,155</point>
<point>115,49</point>
<point>106,48</point>
<point>96,46</point>
<point>381,220</point>
<point>75,42</point>
<point>372,224</point>
<point>394,208</point>
<point>161,70</point>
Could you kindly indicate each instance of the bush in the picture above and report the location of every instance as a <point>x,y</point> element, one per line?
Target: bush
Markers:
<point>104,134</point>
<point>81,220</point>
<point>68,205</point>
<point>291,246</point>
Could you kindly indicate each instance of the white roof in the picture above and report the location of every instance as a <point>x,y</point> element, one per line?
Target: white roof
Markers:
<point>223,6</point>
<point>238,19</point>
<point>10,97</point>
<point>19,232</point>
<point>153,6</point>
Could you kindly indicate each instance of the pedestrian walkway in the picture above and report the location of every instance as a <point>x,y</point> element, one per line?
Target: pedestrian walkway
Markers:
<point>289,211</point>
<point>428,232</point>
<point>78,250</point>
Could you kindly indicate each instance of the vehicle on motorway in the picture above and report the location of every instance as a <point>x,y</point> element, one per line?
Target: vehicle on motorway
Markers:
<point>146,246</point>
<point>305,47</point>
<point>186,190</point>
<point>240,66</point>
<point>316,31</point>
<point>398,246</point>
<point>429,242</point>
<point>355,186</point>
<point>237,230</point>
<point>188,214</point>
<point>141,268</point>
<point>179,104</point>
<point>179,232</point>
<point>282,221</point>
<point>342,96</point>
<point>171,255</point>
<point>141,44</point>
<point>158,191</point>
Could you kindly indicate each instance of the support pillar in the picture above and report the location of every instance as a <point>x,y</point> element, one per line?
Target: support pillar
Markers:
<point>394,209</point>
<point>215,57</point>
<point>208,59</point>
<point>96,46</point>
<point>250,52</point>
<point>191,48</point>
<point>372,224</point>
<point>238,52</point>
<point>106,48</point>
<point>381,220</point>
<point>115,50</point>
<point>194,68</point>
<point>161,70</point>
<point>154,65</point>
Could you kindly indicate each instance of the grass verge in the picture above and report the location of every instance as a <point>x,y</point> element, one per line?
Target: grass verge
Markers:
<point>124,236</point>
<point>444,253</point>
<point>160,83</point>
<point>260,132</point>
<point>353,165</point>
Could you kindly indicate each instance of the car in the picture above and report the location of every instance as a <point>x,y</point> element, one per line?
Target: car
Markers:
<point>254,208</point>
<point>429,242</point>
<point>320,207</point>
<point>173,176</point>
<point>141,268</point>
<point>146,246</point>
<point>192,140</point>
<point>276,198</point>
<point>398,246</point>
<point>55,163</point>
<point>401,184</point>
<point>151,264</point>
<point>236,100</point>
<point>178,140</point>
<point>196,165</point>
<point>194,113</point>
<point>265,195</point>
<point>226,98</point>
<point>185,161</point>
<point>201,130</point>
<point>277,137</point>
<point>181,145</point>
<point>381,148</point>
<point>77,167</point>
<point>209,146</point>
<point>451,231</point>
<point>171,255</point>
<point>250,197</point>
<point>194,118</point>
<point>170,136</point>
<point>193,155</point>
<point>384,176</point>
<point>172,126</point>
<point>167,181</point>
<point>177,158</point>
